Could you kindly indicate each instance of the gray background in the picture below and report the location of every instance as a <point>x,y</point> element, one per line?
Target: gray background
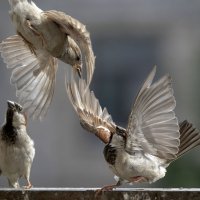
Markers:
<point>129,37</point>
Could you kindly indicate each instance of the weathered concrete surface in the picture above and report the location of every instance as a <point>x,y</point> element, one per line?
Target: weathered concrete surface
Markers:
<point>89,194</point>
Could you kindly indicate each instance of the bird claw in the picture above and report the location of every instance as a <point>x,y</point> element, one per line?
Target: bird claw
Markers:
<point>104,189</point>
<point>29,186</point>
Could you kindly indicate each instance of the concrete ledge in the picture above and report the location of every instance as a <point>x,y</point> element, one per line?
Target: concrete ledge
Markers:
<point>89,194</point>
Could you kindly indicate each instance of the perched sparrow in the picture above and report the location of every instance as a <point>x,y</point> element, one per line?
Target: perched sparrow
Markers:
<point>16,147</point>
<point>153,138</point>
<point>42,38</point>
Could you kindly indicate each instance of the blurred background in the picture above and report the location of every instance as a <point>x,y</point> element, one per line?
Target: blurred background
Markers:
<point>129,37</point>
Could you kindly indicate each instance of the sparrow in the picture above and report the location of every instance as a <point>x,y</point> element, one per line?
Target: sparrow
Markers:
<point>42,38</point>
<point>153,138</point>
<point>16,147</point>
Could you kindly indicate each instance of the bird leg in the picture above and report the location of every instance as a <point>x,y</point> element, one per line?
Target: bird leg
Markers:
<point>35,31</point>
<point>28,23</point>
<point>107,188</point>
<point>28,186</point>
<point>13,183</point>
<point>138,179</point>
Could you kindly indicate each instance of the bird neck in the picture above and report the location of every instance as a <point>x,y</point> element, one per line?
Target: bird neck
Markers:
<point>110,154</point>
<point>9,133</point>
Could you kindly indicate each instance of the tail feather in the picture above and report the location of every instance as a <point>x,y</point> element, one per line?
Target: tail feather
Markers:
<point>14,2</point>
<point>189,137</point>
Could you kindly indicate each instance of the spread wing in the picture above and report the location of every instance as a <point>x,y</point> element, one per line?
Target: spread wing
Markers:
<point>77,31</point>
<point>92,117</point>
<point>33,75</point>
<point>153,126</point>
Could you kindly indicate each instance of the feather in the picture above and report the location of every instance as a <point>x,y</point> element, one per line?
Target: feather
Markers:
<point>153,126</point>
<point>77,31</point>
<point>90,113</point>
<point>33,76</point>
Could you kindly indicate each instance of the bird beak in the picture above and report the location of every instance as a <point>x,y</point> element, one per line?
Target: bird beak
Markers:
<point>78,69</point>
<point>11,104</point>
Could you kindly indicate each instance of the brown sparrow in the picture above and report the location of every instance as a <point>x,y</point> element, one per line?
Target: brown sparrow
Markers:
<point>16,147</point>
<point>153,137</point>
<point>42,38</point>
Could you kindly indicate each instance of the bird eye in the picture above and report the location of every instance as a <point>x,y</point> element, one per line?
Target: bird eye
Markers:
<point>78,58</point>
<point>121,132</point>
<point>18,107</point>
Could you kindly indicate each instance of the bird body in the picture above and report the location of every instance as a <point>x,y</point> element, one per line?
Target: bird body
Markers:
<point>141,167</point>
<point>16,147</point>
<point>21,14</point>
<point>42,38</point>
<point>153,137</point>
<point>38,30</point>
<point>129,167</point>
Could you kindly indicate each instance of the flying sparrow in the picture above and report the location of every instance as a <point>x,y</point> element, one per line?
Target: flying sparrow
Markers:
<point>153,137</point>
<point>16,147</point>
<point>42,38</point>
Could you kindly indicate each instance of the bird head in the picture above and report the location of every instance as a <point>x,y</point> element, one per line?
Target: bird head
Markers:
<point>119,138</point>
<point>74,54</point>
<point>15,114</point>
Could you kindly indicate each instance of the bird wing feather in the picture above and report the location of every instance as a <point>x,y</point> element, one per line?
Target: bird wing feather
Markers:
<point>78,32</point>
<point>92,117</point>
<point>153,126</point>
<point>33,75</point>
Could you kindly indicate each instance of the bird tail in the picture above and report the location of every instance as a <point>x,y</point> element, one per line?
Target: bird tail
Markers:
<point>14,2</point>
<point>189,138</point>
